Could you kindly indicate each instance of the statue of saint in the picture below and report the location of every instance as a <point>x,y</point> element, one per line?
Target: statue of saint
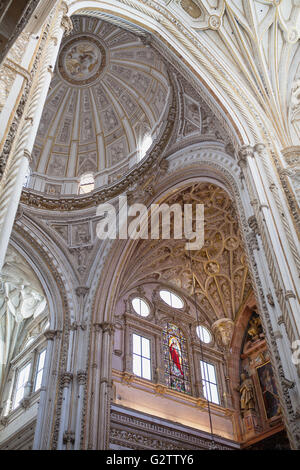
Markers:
<point>246,390</point>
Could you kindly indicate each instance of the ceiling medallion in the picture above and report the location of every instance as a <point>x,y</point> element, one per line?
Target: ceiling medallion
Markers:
<point>82,60</point>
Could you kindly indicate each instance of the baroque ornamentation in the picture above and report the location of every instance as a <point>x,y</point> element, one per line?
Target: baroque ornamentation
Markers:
<point>215,276</point>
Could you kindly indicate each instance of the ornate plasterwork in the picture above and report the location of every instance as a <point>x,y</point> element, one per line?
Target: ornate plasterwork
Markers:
<point>137,432</point>
<point>107,86</point>
<point>248,35</point>
<point>219,269</point>
<point>21,298</point>
<point>82,60</point>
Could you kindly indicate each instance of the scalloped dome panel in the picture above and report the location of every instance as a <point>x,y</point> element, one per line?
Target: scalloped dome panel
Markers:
<point>108,91</point>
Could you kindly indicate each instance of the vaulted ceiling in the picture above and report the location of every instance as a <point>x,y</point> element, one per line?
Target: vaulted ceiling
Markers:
<point>219,269</point>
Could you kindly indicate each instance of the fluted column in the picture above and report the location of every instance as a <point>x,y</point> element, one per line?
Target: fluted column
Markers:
<point>17,163</point>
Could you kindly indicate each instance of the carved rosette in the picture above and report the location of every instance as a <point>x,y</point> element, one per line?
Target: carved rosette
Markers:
<point>223,331</point>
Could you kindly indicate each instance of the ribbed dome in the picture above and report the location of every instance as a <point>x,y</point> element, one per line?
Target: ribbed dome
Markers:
<point>108,94</point>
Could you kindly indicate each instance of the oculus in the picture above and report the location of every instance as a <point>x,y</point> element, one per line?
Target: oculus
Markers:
<point>203,334</point>
<point>140,307</point>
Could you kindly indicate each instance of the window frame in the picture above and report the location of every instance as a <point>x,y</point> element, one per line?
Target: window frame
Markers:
<point>82,185</point>
<point>36,371</point>
<point>150,359</point>
<point>16,379</point>
<point>165,289</point>
<point>205,381</point>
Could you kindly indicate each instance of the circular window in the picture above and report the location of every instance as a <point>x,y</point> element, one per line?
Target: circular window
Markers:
<point>203,334</point>
<point>140,307</point>
<point>171,299</point>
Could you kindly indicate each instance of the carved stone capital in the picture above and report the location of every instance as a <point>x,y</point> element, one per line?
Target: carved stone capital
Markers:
<point>81,291</point>
<point>25,403</point>
<point>69,437</point>
<point>259,148</point>
<point>291,155</point>
<point>270,299</point>
<point>67,24</point>
<point>50,334</point>
<point>243,154</point>
<point>66,378</point>
<point>81,377</point>
<point>223,331</point>
<point>104,326</point>
<point>252,241</point>
<point>280,320</point>
<point>289,294</point>
<point>4,421</point>
<point>253,224</point>
<point>76,325</point>
<point>108,327</point>
<point>64,7</point>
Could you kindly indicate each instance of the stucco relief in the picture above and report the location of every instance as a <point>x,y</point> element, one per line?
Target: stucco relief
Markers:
<point>82,60</point>
<point>21,297</point>
<point>219,270</point>
<point>99,91</point>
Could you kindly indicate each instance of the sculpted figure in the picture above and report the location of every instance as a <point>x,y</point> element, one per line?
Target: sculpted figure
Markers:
<point>246,390</point>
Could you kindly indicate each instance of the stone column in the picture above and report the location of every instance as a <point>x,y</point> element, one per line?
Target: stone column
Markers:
<point>81,382</point>
<point>17,163</point>
<point>65,382</point>
<point>105,385</point>
<point>275,259</point>
<point>42,436</point>
<point>95,378</point>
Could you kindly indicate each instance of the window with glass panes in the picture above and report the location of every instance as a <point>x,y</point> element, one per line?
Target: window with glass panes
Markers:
<point>22,379</point>
<point>39,370</point>
<point>141,360</point>
<point>209,382</point>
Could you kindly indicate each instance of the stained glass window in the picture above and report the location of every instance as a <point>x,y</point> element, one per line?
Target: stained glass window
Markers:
<point>176,366</point>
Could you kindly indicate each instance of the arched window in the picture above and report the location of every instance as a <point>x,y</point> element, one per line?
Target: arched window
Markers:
<point>176,366</point>
<point>87,183</point>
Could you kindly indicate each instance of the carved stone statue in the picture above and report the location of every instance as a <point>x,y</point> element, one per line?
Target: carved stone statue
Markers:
<point>246,390</point>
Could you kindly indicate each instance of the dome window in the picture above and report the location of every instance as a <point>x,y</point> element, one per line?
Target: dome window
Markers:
<point>145,145</point>
<point>87,183</point>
